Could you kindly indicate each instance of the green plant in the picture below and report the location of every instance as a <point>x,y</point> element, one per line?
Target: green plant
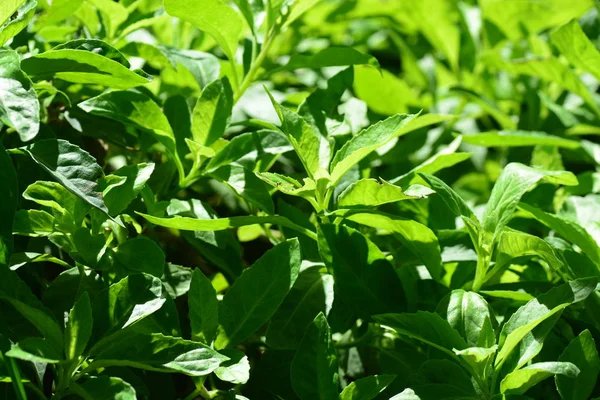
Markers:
<point>299,199</point>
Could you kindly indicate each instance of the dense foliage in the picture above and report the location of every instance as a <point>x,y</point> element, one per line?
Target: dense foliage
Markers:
<point>299,199</point>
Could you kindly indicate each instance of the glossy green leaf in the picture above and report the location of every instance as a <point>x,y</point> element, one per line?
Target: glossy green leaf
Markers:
<point>8,8</point>
<point>426,327</point>
<point>13,26</point>
<point>466,312</point>
<point>19,106</point>
<point>518,139</point>
<point>214,17</point>
<point>366,388</point>
<point>78,327</point>
<point>581,352</point>
<point>315,366</point>
<point>331,57</point>
<point>104,388</point>
<point>141,254</point>
<point>119,195</point>
<point>418,238</point>
<point>573,43</point>
<point>515,180</point>
<point>58,11</point>
<point>246,184</point>
<point>383,92</point>
<point>204,308</point>
<point>212,112</point>
<point>36,350</point>
<point>8,203</point>
<point>369,192</point>
<point>535,312</point>
<point>73,167</point>
<point>518,382</point>
<point>257,293</point>
<point>364,278</point>
<point>312,293</point>
<point>113,15</point>
<point>236,370</point>
<point>81,66</point>
<point>156,352</point>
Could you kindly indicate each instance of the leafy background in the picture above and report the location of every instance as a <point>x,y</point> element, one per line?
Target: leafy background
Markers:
<point>299,199</point>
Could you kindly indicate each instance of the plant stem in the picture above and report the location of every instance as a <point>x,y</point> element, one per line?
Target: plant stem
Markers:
<point>200,391</point>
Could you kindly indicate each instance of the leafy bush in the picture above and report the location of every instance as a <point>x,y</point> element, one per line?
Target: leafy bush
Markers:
<point>299,199</point>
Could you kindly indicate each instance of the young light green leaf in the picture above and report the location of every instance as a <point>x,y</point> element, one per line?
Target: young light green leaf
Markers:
<point>8,205</point>
<point>156,352</point>
<point>466,312</point>
<point>81,66</point>
<point>118,196</point>
<point>535,312</point>
<point>331,57</point>
<point>519,381</point>
<point>315,366</point>
<point>137,109</point>
<point>290,186</point>
<point>312,293</point>
<point>518,139</point>
<point>212,112</point>
<point>113,15</point>
<point>236,370</point>
<point>407,394</point>
<point>257,293</point>
<point>13,26</point>
<point>8,8</point>
<point>452,199</point>
<point>515,180</point>
<point>573,43</point>
<point>488,106</point>
<point>58,11</point>
<point>383,92</point>
<point>141,254</point>
<point>568,229</point>
<point>418,238</point>
<point>582,352</point>
<point>78,328</point>
<point>19,105</point>
<point>479,360</point>
<point>104,387</point>
<point>204,308</point>
<point>364,279</point>
<point>366,388</point>
<point>425,327</point>
<point>369,192</point>
<point>37,350</point>
<point>71,166</point>
<point>214,17</point>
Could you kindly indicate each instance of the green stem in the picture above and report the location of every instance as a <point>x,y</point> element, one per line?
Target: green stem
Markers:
<point>200,391</point>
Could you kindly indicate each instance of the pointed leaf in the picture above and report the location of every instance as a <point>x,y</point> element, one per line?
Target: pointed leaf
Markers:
<point>369,192</point>
<point>466,312</point>
<point>212,112</point>
<point>518,382</point>
<point>573,43</point>
<point>79,327</point>
<point>582,352</point>
<point>204,311</point>
<point>518,139</point>
<point>366,388</point>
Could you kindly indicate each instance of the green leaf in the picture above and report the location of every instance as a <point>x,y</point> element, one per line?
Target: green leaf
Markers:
<point>8,205</point>
<point>255,296</point>
<point>418,238</point>
<point>515,180</point>
<point>113,15</point>
<point>81,66</point>
<point>13,26</point>
<point>314,368</point>
<point>118,196</point>
<point>8,8</point>
<point>137,109</point>
<point>71,166</point>
<point>573,43</point>
<point>78,328</point>
<point>214,17</point>
<point>212,112</point>
<point>156,352</point>
<point>376,136</point>
<point>331,57</point>
<point>58,11</point>
<point>452,199</point>
<point>236,370</point>
<point>568,229</point>
<point>104,388</point>
<point>246,184</point>
<point>366,388</point>
<point>478,360</point>
<point>204,308</point>
<point>194,224</point>
<point>426,327</point>
<point>123,304</point>
<point>312,293</point>
<point>141,254</point>
<point>511,17</point>
<point>369,192</point>
<point>582,352</point>
<point>518,382</point>
<point>19,105</point>
<point>466,312</point>
<point>313,149</point>
<point>535,312</point>
<point>95,46</point>
<point>177,280</point>
<point>363,278</point>
<point>36,350</point>
<point>488,106</point>
<point>518,139</point>
<point>407,394</point>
